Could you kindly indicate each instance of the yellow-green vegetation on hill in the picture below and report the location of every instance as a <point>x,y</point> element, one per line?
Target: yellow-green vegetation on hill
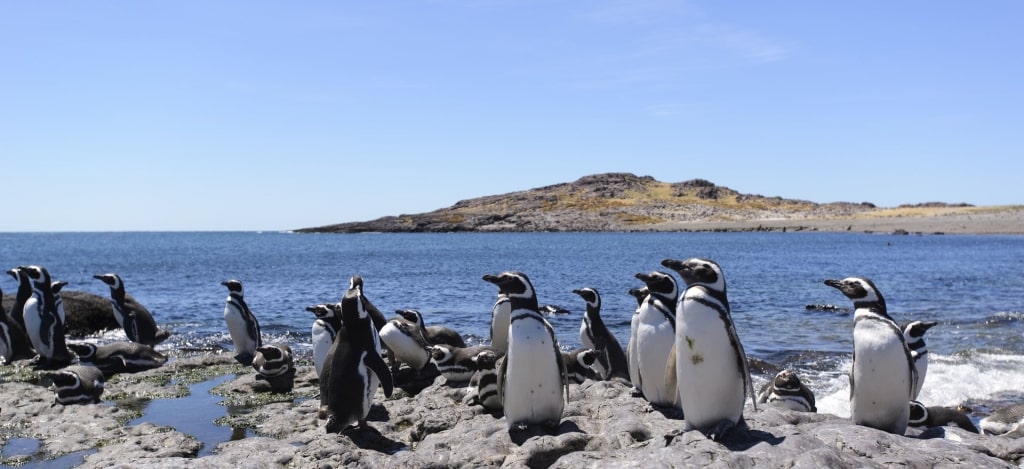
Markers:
<point>626,202</point>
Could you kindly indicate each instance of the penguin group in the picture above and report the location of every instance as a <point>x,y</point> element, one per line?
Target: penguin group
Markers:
<point>684,354</point>
<point>35,330</point>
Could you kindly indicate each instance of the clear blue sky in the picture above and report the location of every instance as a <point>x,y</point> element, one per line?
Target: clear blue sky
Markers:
<point>252,115</point>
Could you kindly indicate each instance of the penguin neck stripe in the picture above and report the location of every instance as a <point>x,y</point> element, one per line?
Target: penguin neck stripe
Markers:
<point>527,315</point>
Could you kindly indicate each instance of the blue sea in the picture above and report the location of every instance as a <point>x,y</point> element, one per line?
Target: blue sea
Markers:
<point>972,285</point>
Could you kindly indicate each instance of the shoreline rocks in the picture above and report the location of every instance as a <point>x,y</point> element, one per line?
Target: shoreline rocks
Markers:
<point>603,425</point>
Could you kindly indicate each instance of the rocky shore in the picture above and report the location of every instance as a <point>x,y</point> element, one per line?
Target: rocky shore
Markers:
<point>627,202</point>
<point>603,426</point>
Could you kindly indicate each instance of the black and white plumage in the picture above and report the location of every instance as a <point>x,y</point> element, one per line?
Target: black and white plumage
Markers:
<point>14,344</point>
<point>457,364</point>
<point>913,333</point>
<point>43,323</point>
<point>631,352</point>
<point>118,357</point>
<point>500,317</point>
<point>77,384</point>
<point>612,361</point>
<point>937,416</point>
<point>406,342</point>
<point>242,324</point>
<point>711,365</point>
<point>581,365</point>
<point>137,322</point>
<point>532,382</point>
<point>356,281</point>
<point>436,335</point>
<point>1006,421</point>
<point>883,374</point>
<point>353,368</point>
<point>274,364</point>
<point>325,328</point>
<point>655,337</point>
<point>17,312</point>
<point>786,390</point>
<point>483,386</point>
<point>56,286</point>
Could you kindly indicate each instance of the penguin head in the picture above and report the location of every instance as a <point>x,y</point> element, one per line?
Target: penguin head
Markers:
<point>589,295</point>
<point>859,289</point>
<point>787,380</point>
<point>57,286</point>
<point>64,379</point>
<point>485,360</point>
<point>440,353</point>
<point>513,284</point>
<point>85,350</point>
<point>918,414</point>
<point>112,280</point>
<point>322,311</point>
<point>660,283</point>
<point>586,357</point>
<point>234,286</point>
<point>916,329</point>
<point>411,315</point>
<point>697,271</point>
<point>38,276</point>
<point>352,308</point>
<point>355,281</point>
<point>639,293</point>
<point>270,352</point>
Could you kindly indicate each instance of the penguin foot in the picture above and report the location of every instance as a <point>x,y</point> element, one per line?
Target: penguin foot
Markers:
<point>725,428</point>
<point>636,392</point>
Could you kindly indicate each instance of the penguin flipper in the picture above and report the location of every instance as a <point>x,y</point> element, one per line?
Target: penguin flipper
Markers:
<point>376,364</point>
<point>748,383</point>
<point>501,379</point>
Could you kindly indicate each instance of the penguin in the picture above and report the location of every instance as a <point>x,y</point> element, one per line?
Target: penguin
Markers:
<point>786,390</point>
<point>77,384</point>
<point>353,368</point>
<point>274,364</point>
<point>456,363</point>
<point>6,349</point>
<point>242,324</point>
<point>137,322</point>
<point>500,316</point>
<point>14,344</point>
<point>714,377</point>
<point>406,342</point>
<point>913,333</point>
<point>436,335</point>
<point>655,336</point>
<point>376,316</point>
<point>484,383</point>
<point>631,352</point>
<point>118,357</point>
<point>882,376</point>
<point>325,328</point>
<point>56,286</point>
<point>581,365</point>
<point>43,323</point>
<point>21,346</point>
<point>1006,421</point>
<point>612,361</point>
<point>532,381</point>
<point>936,416</point>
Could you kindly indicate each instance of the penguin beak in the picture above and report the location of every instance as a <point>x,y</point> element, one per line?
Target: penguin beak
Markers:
<point>674,264</point>
<point>577,291</point>
<point>642,276</point>
<point>491,279</point>
<point>929,324</point>
<point>834,283</point>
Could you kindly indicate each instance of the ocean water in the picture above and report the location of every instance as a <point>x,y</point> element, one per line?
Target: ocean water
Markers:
<point>972,285</point>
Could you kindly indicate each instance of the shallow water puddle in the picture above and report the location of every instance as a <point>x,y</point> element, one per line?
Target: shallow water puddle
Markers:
<point>194,415</point>
<point>23,452</point>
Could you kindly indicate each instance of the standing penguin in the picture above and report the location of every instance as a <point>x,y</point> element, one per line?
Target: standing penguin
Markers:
<point>325,328</point>
<point>883,374</point>
<point>631,353</point>
<point>242,324</point>
<point>532,380</point>
<point>43,323</point>
<point>353,368</point>
<point>914,335</point>
<point>655,336</point>
<point>711,365</point>
<point>612,362</point>
<point>500,318</point>
<point>21,346</point>
<point>376,316</point>
<point>14,344</point>
<point>137,322</point>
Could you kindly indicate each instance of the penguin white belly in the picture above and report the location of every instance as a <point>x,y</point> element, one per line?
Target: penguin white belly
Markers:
<point>322,340</point>
<point>405,348</point>
<point>118,314</point>
<point>239,331</point>
<point>631,352</point>
<point>710,380</point>
<point>371,381</point>
<point>533,386</point>
<point>33,328</point>
<point>502,314</point>
<point>654,340</point>
<point>881,378</point>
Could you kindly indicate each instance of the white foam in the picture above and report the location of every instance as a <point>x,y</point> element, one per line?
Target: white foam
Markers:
<point>951,380</point>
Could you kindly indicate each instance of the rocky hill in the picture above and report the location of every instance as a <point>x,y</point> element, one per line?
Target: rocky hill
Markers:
<point>604,202</point>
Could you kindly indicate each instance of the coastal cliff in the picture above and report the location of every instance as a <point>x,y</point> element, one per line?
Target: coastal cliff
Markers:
<point>627,202</point>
